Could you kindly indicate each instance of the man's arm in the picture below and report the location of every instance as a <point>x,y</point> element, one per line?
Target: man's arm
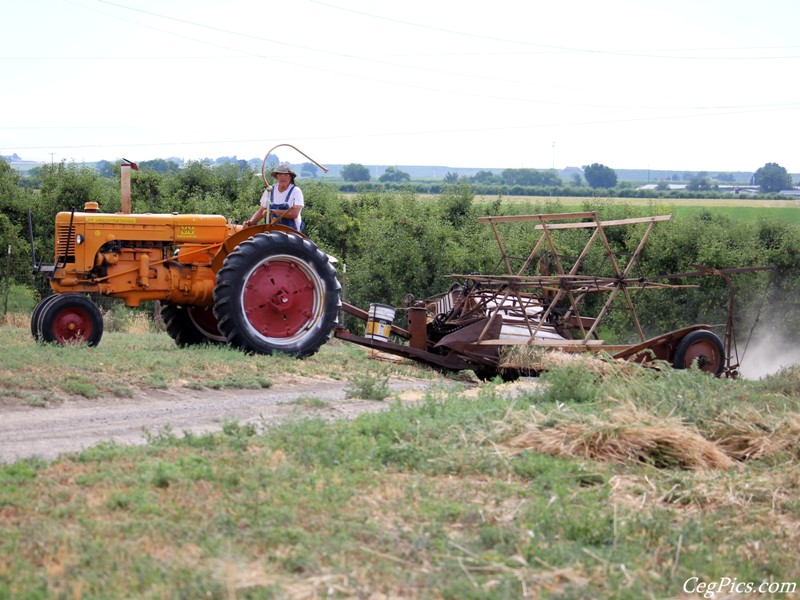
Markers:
<point>290,213</point>
<point>257,216</point>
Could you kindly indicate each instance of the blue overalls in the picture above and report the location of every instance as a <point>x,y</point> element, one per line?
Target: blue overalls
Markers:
<point>273,206</point>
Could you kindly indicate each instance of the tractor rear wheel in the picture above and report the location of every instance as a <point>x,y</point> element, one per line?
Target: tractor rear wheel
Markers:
<point>191,325</point>
<point>277,291</point>
<point>70,318</point>
<point>704,347</point>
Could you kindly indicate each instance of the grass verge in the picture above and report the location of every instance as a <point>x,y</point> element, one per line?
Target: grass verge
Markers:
<point>440,499</point>
<point>126,362</point>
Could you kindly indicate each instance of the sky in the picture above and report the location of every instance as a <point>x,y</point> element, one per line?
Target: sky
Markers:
<point>648,84</point>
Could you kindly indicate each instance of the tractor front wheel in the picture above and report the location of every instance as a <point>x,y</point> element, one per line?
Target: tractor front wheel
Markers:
<point>70,318</point>
<point>277,291</point>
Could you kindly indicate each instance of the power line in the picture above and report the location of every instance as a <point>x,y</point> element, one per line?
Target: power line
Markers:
<point>393,82</point>
<point>638,53</point>
<point>448,131</point>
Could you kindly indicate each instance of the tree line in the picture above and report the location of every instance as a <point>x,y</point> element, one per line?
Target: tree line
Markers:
<point>396,242</point>
<point>770,178</point>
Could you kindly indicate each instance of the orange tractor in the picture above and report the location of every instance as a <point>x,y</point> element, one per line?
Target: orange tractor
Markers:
<point>269,288</point>
<point>261,289</point>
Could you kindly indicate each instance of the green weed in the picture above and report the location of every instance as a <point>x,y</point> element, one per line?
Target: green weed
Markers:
<point>81,388</point>
<point>40,399</point>
<point>366,386</point>
<point>309,402</point>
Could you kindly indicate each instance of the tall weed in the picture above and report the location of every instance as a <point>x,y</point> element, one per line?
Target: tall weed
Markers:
<point>572,384</point>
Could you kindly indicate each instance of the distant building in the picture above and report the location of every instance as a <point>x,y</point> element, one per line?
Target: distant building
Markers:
<point>670,186</point>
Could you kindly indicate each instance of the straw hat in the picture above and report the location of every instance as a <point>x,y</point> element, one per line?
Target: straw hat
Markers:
<point>283,167</point>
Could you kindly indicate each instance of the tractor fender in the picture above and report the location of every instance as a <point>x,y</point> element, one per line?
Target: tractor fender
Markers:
<point>237,238</point>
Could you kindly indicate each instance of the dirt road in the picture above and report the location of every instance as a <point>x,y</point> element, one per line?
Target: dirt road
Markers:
<point>76,423</point>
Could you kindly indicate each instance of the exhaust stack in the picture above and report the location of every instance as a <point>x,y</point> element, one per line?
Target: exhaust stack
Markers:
<point>125,183</point>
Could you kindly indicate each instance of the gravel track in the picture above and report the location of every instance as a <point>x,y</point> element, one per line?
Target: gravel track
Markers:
<point>78,423</point>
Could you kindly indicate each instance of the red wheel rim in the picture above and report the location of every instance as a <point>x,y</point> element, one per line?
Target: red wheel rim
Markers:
<point>204,319</point>
<point>72,324</point>
<point>280,298</point>
<point>706,354</point>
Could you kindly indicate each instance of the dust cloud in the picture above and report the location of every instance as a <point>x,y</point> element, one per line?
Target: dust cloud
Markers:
<point>766,355</point>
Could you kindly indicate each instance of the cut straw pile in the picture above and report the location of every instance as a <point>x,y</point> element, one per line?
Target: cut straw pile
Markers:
<point>625,433</point>
<point>751,436</point>
<point>628,436</point>
<point>537,359</point>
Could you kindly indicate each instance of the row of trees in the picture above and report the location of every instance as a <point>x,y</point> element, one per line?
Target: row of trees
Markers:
<point>770,178</point>
<point>394,242</point>
<point>355,173</point>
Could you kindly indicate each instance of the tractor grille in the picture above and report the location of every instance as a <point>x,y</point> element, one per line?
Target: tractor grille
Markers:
<point>65,243</point>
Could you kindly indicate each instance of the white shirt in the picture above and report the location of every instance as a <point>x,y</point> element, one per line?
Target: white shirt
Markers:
<point>278,197</point>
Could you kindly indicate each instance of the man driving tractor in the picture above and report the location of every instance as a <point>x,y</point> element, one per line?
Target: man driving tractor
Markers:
<point>284,200</point>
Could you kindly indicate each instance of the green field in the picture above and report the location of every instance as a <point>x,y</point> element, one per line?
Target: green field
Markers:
<point>784,210</point>
<point>747,213</point>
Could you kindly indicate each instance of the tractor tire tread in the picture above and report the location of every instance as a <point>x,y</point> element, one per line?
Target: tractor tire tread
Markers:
<point>228,290</point>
